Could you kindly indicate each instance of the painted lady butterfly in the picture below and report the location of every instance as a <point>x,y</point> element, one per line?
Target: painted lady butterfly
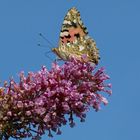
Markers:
<point>75,41</point>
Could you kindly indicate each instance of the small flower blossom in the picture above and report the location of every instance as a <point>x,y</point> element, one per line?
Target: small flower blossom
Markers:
<point>9,113</point>
<point>28,113</point>
<point>41,101</point>
<point>19,104</point>
<point>47,118</point>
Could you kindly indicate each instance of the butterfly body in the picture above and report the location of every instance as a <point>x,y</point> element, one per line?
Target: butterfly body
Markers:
<point>75,41</point>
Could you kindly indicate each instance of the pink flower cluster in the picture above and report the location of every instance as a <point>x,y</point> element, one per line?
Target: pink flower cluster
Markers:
<point>42,101</point>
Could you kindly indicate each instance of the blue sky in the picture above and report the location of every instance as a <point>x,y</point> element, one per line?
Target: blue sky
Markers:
<point>114,24</point>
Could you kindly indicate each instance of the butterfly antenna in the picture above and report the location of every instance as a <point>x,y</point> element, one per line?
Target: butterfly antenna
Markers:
<point>46,54</point>
<point>40,34</point>
<point>40,45</point>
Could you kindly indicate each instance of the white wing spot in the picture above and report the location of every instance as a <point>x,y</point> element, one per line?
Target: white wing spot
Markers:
<point>67,22</point>
<point>64,34</point>
<point>81,48</point>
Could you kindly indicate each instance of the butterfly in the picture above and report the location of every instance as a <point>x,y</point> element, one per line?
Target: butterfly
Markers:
<point>74,40</point>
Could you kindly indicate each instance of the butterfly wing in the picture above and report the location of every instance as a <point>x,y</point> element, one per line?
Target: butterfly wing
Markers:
<point>74,39</point>
<point>72,27</point>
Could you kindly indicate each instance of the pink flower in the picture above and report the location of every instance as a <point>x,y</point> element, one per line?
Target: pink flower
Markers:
<point>40,110</point>
<point>9,113</point>
<point>28,113</point>
<point>41,101</point>
<point>47,118</point>
<point>19,104</point>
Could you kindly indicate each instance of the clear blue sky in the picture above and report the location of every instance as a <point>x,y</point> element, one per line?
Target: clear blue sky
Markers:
<point>114,24</point>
